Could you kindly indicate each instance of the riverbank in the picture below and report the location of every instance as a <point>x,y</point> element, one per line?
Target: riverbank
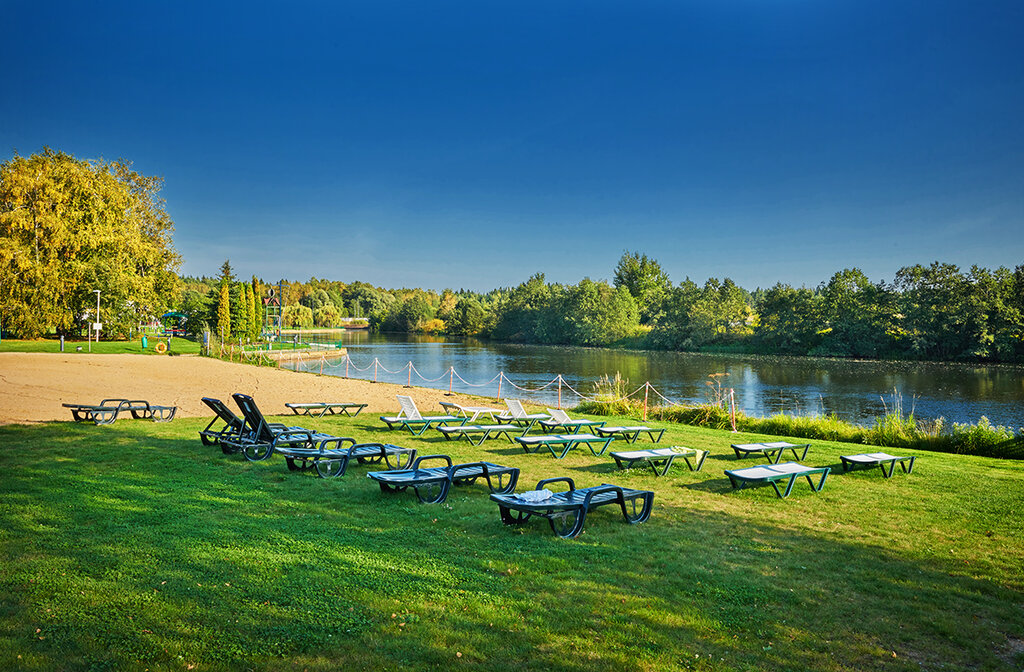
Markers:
<point>34,385</point>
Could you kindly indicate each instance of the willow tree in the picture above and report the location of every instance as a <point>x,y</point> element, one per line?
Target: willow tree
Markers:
<point>69,227</point>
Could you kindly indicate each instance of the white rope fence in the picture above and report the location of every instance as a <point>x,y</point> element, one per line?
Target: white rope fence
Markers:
<point>649,392</point>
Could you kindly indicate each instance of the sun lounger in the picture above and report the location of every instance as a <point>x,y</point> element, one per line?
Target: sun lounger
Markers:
<point>231,424</point>
<point>567,511</point>
<point>660,457</point>
<point>432,483</point>
<point>321,408</point>
<point>518,415</point>
<point>330,458</point>
<point>880,460</point>
<point>410,418</point>
<point>768,449</point>
<point>485,431</point>
<point>560,418</point>
<point>106,412</point>
<point>772,474</point>
<point>566,442</point>
<point>259,438</point>
<point>470,412</point>
<point>631,433</point>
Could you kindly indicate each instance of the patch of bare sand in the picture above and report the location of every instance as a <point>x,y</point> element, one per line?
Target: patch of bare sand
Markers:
<point>34,385</point>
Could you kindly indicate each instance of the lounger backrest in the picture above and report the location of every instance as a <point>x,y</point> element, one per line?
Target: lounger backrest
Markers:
<point>409,409</point>
<point>253,418</point>
<point>223,412</point>
<point>515,407</point>
<point>558,415</point>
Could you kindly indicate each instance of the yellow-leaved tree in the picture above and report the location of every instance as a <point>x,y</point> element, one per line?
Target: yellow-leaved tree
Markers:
<point>69,227</point>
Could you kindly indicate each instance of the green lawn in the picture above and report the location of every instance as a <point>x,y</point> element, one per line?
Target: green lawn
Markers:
<point>133,546</point>
<point>134,347</point>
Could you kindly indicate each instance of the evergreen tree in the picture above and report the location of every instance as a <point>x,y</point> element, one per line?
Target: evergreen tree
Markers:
<point>224,312</point>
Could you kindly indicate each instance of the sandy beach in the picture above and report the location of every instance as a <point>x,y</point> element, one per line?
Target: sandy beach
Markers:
<point>34,385</point>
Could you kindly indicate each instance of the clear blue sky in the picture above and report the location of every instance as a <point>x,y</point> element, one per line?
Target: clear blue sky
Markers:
<point>472,144</point>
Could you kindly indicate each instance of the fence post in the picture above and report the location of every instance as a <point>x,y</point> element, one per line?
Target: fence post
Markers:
<point>647,388</point>
<point>501,374</point>
<point>409,384</point>
<point>451,379</point>
<point>346,364</point>
<point>322,358</point>
<point>375,369</point>
<point>559,391</point>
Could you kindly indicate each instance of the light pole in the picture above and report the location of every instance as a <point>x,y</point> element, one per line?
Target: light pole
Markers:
<point>97,323</point>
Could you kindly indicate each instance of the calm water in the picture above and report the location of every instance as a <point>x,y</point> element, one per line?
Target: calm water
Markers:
<point>855,391</point>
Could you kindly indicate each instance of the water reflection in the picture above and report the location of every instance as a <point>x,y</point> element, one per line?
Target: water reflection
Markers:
<point>855,391</point>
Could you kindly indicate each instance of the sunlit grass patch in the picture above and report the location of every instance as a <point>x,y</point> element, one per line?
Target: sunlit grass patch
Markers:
<point>135,546</point>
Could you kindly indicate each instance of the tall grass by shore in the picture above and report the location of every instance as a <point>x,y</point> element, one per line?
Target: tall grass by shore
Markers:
<point>896,429</point>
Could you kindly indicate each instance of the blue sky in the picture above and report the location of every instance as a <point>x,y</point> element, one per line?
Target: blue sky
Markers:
<point>472,144</point>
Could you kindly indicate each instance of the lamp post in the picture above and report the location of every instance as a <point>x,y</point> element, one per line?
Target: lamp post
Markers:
<point>97,323</point>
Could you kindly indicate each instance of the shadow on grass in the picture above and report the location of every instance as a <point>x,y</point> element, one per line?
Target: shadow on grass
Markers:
<point>128,546</point>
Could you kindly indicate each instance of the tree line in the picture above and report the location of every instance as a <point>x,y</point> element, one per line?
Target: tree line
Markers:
<point>69,227</point>
<point>934,312</point>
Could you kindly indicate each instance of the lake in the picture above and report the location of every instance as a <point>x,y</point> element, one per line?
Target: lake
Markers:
<point>856,391</point>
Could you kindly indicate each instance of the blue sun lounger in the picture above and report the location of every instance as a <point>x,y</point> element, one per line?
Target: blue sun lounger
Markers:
<point>330,458</point>
<point>880,460</point>
<point>485,431</point>
<point>776,448</point>
<point>567,511</point>
<point>321,408</point>
<point>259,439</point>
<point>632,433</point>
<point>560,418</point>
<point>533,444</point>
<point>773,474</point>
<point>659,457</point>
<point>433,483</point>
<point>106,412</point>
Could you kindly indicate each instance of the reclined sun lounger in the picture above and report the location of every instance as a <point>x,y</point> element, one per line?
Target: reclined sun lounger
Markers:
<point>771,474</point>
<point>106,411</point>
<point>432,483</point>
<point>233,429</point>
<point>631,433</point>
<point>660,457</point>
<point>559,418</point>
<point>518,415</point>
<point>567,511</point>
<point>330,458</point>
<point>259,439</point>
<point>485,431</point>
<point>231,424</point>
<point>532,444</point>
<point>471,412</point>
<point>410,418</point>
<point>768,449</point>
<point>321,408</point>
<point>880,460</point>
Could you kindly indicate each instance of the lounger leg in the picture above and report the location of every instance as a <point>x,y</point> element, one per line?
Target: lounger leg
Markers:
<point>568,447</point>
<point>508,518</point>
<point>789,487</point>
<point>907,469</point>
<point>506,483</point>
<point>434,492</point>
<point>567,524</point>
<point>668,465</point>
<point>703,456</point>
<point>637,509</point>
<point>821,483</point>
<point>887,473</point>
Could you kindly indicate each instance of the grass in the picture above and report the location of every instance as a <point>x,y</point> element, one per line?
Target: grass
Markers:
<point>133,347</point>
<point>133,546</point>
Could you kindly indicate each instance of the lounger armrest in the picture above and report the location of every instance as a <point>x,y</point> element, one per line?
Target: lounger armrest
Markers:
<point>562,479</point>
<point>600,490</point>
<point>453,470</point>
<point>337,441</point>
<point>421,460</point>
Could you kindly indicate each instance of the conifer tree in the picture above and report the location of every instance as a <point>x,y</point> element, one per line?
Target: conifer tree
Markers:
<point>224,312</point>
